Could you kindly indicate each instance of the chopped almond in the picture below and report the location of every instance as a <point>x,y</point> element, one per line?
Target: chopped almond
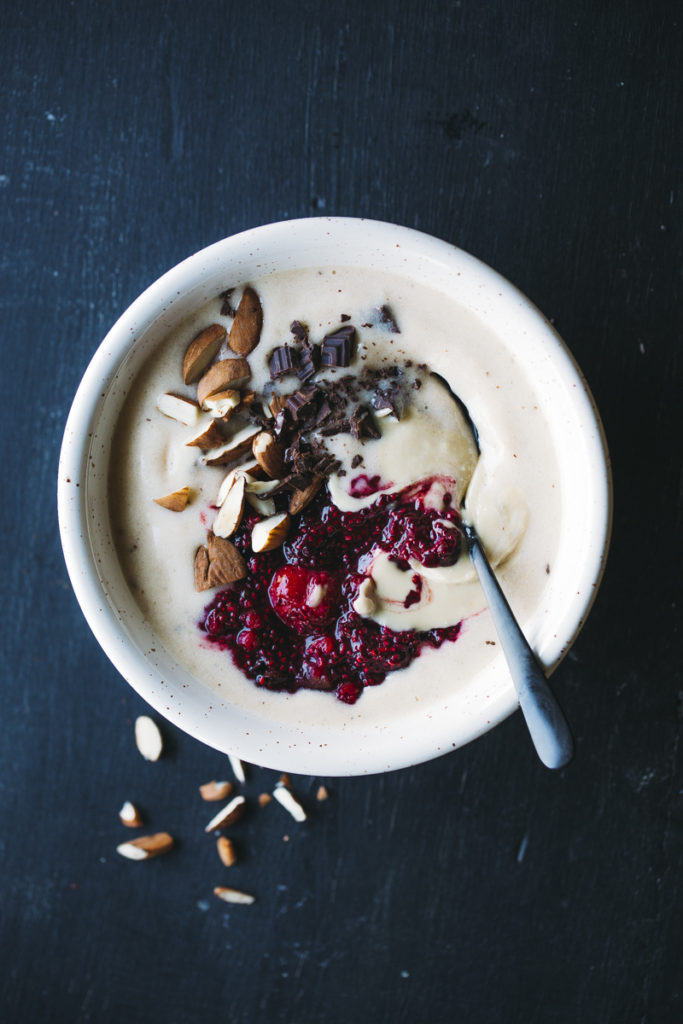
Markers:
<point>176,501</point>
<point>201,351</point>
<point>226,375</point>
<point>246,328</point>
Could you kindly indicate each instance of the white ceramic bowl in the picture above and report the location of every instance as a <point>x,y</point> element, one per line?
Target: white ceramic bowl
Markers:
<point>311,732</point>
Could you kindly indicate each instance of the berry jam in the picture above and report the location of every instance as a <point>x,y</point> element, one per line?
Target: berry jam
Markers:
<point>291,623</point>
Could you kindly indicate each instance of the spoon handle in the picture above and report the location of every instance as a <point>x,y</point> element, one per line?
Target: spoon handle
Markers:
<point>544,718</point>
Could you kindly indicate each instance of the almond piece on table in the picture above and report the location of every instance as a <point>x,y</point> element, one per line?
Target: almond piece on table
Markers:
<point>268,453</point>
<point>226,851</point>
<point>201,570</point>
<point>146,847</point>
<point>229,515</point>
<point>264,799</point>
<point>130,815</point>
<point>222,404</point>
<point>232,895</point>
<point>245,332</point>
<point>237,767</point>
<point>176,501</point>
<point>228,815</point>
<point>184,410</point>
<point>301,498</point>
<point>215,790</point>
<point>226,564</point>
<point>148,738</point>
<point>286,798</point>
<point>226,375</point>
<point>322,793</point>
<point>233,449</point>
<point>209,435</point>
<point>201,351</point>
<point>270,533</point>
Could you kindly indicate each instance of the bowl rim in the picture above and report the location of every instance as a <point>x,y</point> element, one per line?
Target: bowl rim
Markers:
<point>73,474</point>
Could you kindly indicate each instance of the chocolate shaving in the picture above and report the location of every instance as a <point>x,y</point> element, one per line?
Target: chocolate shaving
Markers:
<point>283,360</point>
<point>386,318</point>
<point>337,348</point>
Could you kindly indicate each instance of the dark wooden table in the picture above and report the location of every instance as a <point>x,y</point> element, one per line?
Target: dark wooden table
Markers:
<point>544,138</point>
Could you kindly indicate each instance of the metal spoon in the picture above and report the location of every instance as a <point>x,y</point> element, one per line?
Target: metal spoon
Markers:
<point>544,718</point>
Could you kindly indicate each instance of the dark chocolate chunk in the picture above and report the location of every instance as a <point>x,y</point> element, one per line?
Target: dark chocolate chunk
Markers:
<point>337,348</point>
<point>283,360</point>
<point>299,330</point>
<point>386,318</point>
<point>344,317</point>
<point>362,425</point>
<point>356,461</point>
<point>301,400</point>
<point>309,361</point>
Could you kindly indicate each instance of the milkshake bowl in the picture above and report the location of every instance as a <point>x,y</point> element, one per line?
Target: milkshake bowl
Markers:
<point>264,479</point>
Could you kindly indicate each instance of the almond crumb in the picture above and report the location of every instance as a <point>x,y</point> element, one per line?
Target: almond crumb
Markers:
<point>226,851</point>
<point>232,895</point>
<point>264,799</point>
<point>130,815</point>
<point>215,790</point>
<point>322,793</point>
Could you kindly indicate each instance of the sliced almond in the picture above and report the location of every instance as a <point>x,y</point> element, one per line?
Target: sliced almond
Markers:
<point>228,815</point>
<point>201,570</point>
<point>264,506</point>
<point>264,799</point>
<point>301,498</point>
<point>148,738</point>
<point>245,332</point>
<point>222,404</point>
<point>237,767</point>
<point>268,453</point>
<point>229,515</point>
<point>226,564</point>
<point>229,479</point>
<point>322,793</point>
<point>261,488</point>
<point>226,851</point>
<point>130,815</point>
<point>233,449</point>
<point>176,501</point>
<point>201,351</point>
<point>209,435</point>
<point>232,895</point>
<point>286,798</point>
<point>184,410</point>
<point>215,790</point>
<point>226,375</point>
<point>146,847</point>
<point>270,533</point>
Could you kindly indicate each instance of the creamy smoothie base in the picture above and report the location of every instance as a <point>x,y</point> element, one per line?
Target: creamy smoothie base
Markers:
<point>511,490</point>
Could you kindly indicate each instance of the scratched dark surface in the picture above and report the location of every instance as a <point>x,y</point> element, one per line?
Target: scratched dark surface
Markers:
<point>544,138</point>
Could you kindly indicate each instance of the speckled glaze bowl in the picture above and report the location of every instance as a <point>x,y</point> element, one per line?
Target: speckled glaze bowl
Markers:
<point>311,732</point>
